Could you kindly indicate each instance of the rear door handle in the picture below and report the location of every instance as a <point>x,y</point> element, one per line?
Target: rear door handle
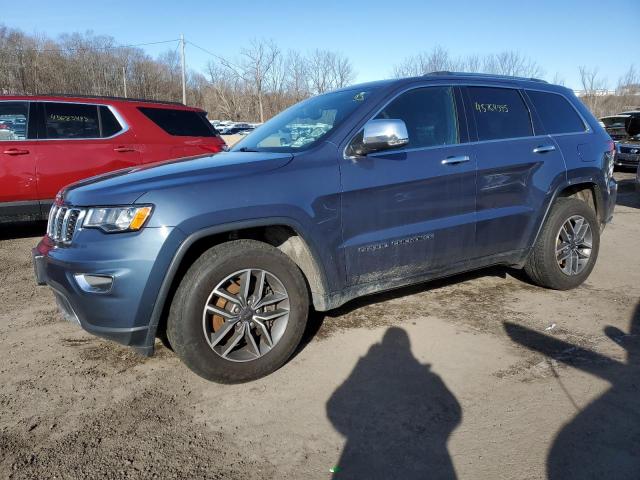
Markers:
<point>455,160</point>
<point>123,149</point>
<point>544,149</point>
<point>16,151</point>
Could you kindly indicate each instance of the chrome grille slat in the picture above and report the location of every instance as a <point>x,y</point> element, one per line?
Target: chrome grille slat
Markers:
<point>63,222</point>
<point>57,225</point>
<point>52,214</point>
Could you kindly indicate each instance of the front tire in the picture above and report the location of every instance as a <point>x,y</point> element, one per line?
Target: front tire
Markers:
<point>567,248</point>
<point>239,312</point>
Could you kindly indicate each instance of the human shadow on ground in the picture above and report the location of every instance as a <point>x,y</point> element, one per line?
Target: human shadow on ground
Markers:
<point>396,415</point>
<point>603,439</point>
<point>628,193</point>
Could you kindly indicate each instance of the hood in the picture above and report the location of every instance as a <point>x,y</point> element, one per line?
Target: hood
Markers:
<point>123,187</point>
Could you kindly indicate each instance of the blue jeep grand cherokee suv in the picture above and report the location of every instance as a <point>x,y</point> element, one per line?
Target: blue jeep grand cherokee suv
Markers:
<point>345,194</point>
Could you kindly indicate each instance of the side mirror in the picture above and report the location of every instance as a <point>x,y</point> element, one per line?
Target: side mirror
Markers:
<point>381,134</point>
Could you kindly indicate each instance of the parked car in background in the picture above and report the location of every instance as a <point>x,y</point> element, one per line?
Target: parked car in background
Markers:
<point>47,142</point>
<point>233,130</point>
<point>624,129</point>
<point>349,193</point>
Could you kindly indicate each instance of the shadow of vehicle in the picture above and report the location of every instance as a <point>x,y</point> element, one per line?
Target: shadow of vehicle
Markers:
<point>317,319</point>
<point>11,231</point>
<point>603,439</point>
<point>628,195</point>
<point>396,415</point>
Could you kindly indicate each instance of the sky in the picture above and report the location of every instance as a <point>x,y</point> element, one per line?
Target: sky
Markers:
<point>375,35</point>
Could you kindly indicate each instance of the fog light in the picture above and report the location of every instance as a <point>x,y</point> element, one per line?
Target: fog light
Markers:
<point>94,283</point>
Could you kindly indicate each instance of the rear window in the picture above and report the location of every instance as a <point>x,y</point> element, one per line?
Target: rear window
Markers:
<point>180,123</point>
<point>71,120</point>
<point>556,113</point>
<point>499,113</point>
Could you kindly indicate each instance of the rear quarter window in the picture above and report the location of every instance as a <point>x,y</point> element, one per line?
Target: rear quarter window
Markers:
<point>180,123</point>
<point>109,123</point>
<point>499,113</point>
<point>556,113</point>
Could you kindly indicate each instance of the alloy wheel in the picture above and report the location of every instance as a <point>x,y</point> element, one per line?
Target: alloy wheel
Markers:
<point>573,245</point>
<point>246,315</point>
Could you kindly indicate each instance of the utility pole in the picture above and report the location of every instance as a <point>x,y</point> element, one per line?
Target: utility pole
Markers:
<point>124,81</point>
<point>184,81</point>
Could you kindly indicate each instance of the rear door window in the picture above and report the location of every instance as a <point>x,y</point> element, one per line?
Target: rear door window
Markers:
<point>14,119</point>
<point>556,113</point>
<point>429,114</point>
<point>180,123</point>
<point>70,120</point>
<point>499,113</point>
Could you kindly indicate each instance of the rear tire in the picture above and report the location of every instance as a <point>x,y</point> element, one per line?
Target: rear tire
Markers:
<point>191,328</point>
<point>547,265</point>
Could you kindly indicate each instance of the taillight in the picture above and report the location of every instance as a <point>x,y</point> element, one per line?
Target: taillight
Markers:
<point>609,159</point>
<point>213,148</point>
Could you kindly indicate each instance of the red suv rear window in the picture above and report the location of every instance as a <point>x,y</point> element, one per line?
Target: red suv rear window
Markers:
<point>180,123</point>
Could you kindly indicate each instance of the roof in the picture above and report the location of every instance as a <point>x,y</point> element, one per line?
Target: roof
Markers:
<point>487,76</point>
<point>100,98</point>
<point>461,76</point>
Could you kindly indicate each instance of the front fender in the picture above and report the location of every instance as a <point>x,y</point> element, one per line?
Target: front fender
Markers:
<point>194,236</point>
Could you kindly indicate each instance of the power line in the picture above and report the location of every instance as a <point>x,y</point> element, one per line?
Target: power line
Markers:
<point>222,59</point>
<point>110,47</point>
<point>205,50</point>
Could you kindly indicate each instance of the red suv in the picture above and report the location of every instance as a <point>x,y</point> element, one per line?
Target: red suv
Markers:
<point>47,142</point>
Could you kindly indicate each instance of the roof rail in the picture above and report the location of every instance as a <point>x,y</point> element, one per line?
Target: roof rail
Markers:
<point>484,75</point>
<point>104,97</point>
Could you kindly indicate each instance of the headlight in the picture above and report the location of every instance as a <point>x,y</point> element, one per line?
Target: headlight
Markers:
<point>117,219</point>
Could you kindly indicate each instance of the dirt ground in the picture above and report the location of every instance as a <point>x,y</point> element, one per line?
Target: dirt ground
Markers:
<point>481,376</point>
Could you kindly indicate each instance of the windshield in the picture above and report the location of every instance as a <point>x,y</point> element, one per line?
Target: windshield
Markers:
<point>303,124</point>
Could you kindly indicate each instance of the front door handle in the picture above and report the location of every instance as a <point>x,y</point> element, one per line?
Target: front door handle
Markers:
<point>544,149</point>
<point>455,160</point>
<point>16,151</point>
<point>123,149</point>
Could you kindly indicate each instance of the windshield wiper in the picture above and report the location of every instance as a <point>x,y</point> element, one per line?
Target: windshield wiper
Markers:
<point>247,149</point>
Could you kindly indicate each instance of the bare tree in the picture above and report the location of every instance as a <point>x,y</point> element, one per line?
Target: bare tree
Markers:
<point>593,88</point>
<point>254,67</point>
<point>438,59</point>
<point>512,63</point>
<point>298,78</point>
<point>328,70</point>
<point>629,83</point>
<point>342,71</point>
<point>558,79</point>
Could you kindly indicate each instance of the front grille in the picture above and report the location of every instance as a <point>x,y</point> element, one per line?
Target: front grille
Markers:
<point>631,150</point>
<point>63,222</point>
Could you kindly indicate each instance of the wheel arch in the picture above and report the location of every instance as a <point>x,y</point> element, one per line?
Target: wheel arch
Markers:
<point>585,189</point>
<point>281,233</point>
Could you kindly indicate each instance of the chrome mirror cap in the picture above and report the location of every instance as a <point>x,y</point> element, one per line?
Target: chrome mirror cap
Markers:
<point>382,134</point>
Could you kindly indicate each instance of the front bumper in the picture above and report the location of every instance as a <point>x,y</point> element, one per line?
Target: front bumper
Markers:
<point>137,262</point>
<point>610,202</point>
<point>626,160</point>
